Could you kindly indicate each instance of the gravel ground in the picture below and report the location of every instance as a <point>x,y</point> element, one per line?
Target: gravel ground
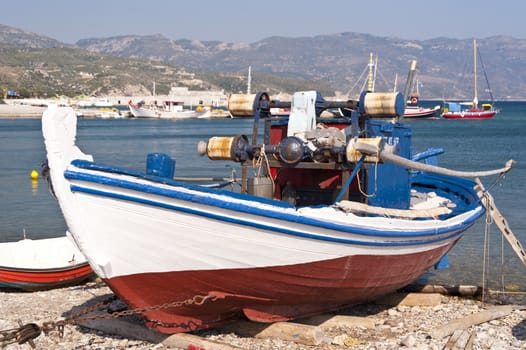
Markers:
<point>399,327</point>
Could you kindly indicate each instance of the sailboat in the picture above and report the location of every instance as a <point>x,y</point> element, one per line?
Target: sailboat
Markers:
<point>470,110</point>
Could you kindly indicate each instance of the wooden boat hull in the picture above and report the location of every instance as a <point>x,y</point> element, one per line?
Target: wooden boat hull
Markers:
<point>270,294</point>
<point>155,241</point>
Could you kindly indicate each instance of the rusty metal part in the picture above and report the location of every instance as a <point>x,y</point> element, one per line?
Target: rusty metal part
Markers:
<point>21,335</point>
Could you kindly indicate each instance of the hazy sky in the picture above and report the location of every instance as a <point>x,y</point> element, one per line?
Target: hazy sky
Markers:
<point>250,21</point>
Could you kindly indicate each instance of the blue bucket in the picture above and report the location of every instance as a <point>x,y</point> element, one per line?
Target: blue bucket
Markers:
<point>160,164</point>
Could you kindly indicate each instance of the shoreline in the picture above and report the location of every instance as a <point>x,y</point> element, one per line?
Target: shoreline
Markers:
<point>380,325</point>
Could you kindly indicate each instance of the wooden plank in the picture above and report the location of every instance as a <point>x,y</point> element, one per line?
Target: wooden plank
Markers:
<point>410,299</point>
<point>362,208</point>
<point>471,320</point>
<point>487,200</point>
<point>460,340</point>
<point>330,321</point>
<point>289,331</point>
<point>190,341</point>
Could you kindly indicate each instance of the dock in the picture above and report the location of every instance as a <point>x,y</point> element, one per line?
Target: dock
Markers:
<point>20,111</point>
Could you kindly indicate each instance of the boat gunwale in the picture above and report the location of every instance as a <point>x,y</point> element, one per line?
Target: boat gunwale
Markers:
<point>295,217</point>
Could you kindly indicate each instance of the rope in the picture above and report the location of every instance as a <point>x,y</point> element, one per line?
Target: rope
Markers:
<point>257,165</point>
<point>485,262</point>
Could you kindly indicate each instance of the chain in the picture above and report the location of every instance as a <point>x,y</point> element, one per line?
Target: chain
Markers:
<point>30,331</point>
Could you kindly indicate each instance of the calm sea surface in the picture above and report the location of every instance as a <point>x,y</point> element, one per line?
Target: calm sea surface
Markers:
<point>469,145</point>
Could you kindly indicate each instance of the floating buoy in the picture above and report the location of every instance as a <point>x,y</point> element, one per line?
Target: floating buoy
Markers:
<point>34,174</point>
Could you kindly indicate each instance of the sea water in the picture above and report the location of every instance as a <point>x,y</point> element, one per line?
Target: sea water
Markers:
<point>28,207</point>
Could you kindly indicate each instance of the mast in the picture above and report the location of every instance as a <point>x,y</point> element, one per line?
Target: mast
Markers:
<point>410,78</point>
<point>475,94</point>
<point>370,83</point>
<point>249,80</point>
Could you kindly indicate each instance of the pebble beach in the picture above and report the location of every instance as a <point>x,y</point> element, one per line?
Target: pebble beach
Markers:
<point>375,326</point>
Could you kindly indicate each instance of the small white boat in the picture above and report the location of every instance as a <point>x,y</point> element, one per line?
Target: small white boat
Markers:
<point>41,264</point>
<point>415,111</point>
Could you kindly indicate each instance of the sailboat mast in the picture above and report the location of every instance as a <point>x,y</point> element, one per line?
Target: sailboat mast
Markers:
<point>375,68</point>
<point>475,93</point>
<point>410,78</point>
<point>370,83</point>
<point>249,80</point>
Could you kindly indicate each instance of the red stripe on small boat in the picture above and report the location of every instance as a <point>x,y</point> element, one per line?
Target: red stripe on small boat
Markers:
<point>29,279</point>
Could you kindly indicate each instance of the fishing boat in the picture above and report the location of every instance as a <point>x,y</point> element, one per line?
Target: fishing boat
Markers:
<point>41,264</point>
<point>168,110</point>
<point>471,110</point>
<point>335,214</point>
<point>139,111</point>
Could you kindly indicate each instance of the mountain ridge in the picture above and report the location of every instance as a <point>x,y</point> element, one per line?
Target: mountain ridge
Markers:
<point>334,61</point>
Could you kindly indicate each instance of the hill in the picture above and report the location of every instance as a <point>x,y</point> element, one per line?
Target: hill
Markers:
<point>128,64</point>
<point>444,65</point>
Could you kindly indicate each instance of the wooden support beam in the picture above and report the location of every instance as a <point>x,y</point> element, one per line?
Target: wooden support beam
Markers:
<point>410,299</point>
<point>296,332</point>
<point>487,200</point>
<point>474,319</point>
<point>460,340</point>
<point>330,321</point>
<point>190,341</point>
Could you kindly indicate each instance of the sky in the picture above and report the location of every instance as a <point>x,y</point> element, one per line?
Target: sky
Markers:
<point>250,21</point>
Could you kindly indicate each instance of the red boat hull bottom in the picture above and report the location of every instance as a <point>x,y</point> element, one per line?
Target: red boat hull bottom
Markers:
<point>268,294</point>
<point>470,115</point>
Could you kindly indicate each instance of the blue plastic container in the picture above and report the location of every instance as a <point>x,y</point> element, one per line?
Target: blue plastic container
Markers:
<point>160,164</point>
